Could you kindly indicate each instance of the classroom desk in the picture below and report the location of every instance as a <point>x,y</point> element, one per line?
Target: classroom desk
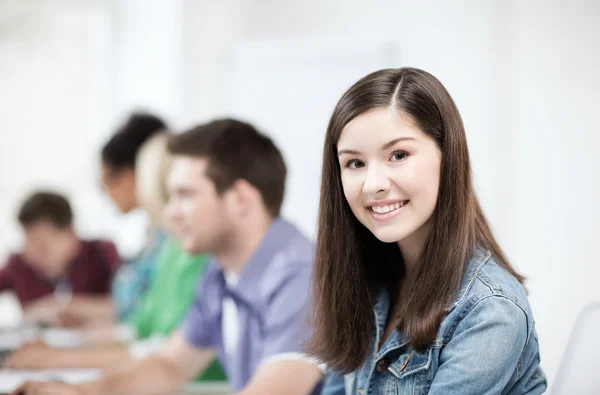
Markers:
<point>11,379</point>
<point>11,338</point>
<point>206,388</point>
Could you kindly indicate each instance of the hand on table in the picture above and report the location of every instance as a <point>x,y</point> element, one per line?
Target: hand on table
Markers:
<point>45,309</point>
<point>46,388</point>
<point>36,355</point>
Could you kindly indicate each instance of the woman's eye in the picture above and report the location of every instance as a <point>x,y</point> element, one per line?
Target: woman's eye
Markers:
<point>398,156</point>
<point>354,164</point>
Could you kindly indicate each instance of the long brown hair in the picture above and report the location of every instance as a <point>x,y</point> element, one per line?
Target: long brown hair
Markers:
<point>352,265</point>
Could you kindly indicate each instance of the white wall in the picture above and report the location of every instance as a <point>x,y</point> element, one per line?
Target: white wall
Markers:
<point>49,105</point>
<point>70,70</point>
<point>146,67</point>
<point>555,139</point>
<point>210,29</point>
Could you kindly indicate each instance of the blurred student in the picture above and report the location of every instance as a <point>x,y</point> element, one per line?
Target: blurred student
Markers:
<point>163,305</point>
<point>252,305</point>
<point>55,264</point>
<point>120,175</point>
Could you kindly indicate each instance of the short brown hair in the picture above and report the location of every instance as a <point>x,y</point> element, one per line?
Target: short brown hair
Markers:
<point>47,206</point>
<point>236,150</point>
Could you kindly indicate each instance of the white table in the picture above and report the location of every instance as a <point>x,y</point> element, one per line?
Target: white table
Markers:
<point>11,379</point>
<point>12,338</point>
<point>205,388</point>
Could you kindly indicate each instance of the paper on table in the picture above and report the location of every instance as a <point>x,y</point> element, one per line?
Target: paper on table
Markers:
<point>11,379</point>
<point>205,388</point>
<point>60,338</point>
<point>11,339</point>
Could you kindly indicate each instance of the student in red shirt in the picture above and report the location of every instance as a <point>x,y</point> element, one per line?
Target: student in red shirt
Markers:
<point>55,263</point>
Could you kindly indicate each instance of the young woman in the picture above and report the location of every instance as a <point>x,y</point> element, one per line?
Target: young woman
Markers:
<point>413,294</point>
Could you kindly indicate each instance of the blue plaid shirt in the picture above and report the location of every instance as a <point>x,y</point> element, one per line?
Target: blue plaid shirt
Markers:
<point>273,304</point>
<point>134,276</point>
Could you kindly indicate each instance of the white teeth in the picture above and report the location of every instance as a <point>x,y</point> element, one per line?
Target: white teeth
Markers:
<point>387,208</point>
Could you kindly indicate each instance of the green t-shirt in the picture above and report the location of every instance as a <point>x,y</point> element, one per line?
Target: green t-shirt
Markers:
<point>170,294</point>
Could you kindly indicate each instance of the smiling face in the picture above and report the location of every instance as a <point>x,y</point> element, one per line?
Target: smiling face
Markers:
<point>390,172</point>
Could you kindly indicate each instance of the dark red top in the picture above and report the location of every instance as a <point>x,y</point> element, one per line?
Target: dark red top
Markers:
<point>90,272</point>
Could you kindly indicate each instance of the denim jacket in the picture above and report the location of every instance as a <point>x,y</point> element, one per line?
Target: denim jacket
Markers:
<point>486,344</point>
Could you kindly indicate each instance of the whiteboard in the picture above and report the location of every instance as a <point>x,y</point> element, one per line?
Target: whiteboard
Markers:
<point>288,89</point>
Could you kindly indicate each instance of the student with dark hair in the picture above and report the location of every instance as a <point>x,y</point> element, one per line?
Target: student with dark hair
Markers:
<point>412,292</point>
<point>119,154</point>
<point>55,260</point>
<point>120,178</point>
<point>120,172</point>
<point>252,305</point>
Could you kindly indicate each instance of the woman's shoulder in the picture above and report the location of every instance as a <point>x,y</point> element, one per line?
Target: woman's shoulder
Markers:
<point>485,278</point>
<point>488,290</point>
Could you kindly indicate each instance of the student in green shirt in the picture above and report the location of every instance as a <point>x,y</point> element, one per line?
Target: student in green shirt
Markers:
<point>169,295</point>
<point>167,300</point>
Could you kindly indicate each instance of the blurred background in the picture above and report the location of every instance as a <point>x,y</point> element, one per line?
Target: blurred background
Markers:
<point>524,75</point>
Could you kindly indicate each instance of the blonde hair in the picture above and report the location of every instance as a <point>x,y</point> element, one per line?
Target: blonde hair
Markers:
<point>152,165</point>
